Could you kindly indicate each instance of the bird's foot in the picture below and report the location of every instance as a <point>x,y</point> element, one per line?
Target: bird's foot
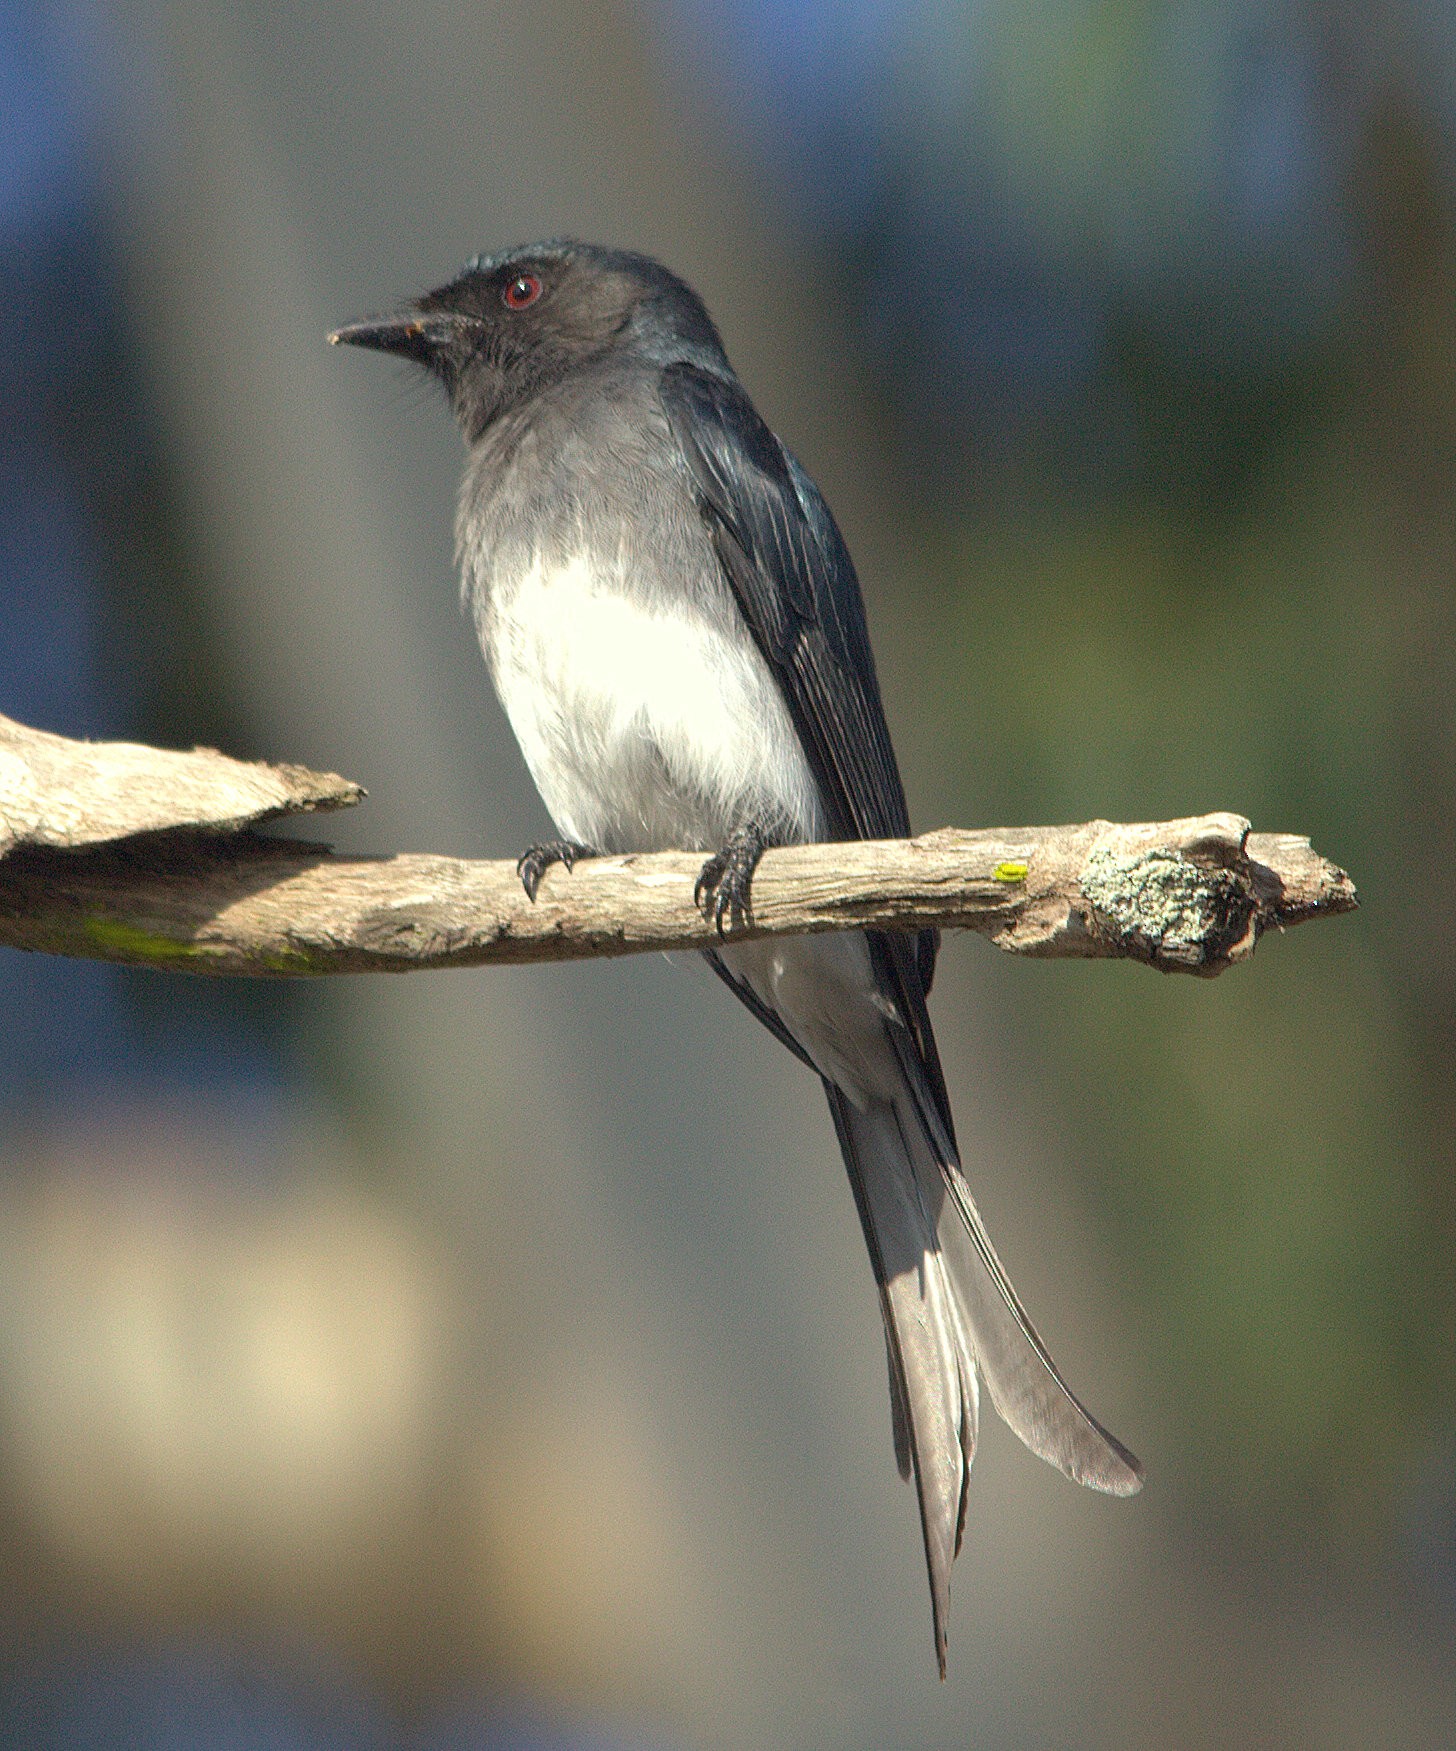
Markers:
<point>721,891</point>
<point>534,864</point>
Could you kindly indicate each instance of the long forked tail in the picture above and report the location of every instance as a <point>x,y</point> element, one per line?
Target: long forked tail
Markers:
<point>950,1314</point>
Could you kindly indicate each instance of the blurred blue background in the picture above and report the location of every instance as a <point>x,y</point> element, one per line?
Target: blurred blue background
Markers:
<point>489,1360</point>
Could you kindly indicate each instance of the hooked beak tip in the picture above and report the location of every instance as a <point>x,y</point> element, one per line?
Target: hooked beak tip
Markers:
<point>385,334</point>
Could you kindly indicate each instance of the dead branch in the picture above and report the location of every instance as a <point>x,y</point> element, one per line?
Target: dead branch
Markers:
<point>113,851</point>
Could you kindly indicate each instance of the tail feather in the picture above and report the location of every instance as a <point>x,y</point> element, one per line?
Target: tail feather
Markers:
<point>853,1006</point>
<point>899,1408</point>
<point>1025,1384</point>
<point>950,1312</point>
<point>933,1392</point>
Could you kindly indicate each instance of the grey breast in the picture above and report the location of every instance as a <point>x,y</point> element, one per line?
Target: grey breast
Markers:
<point>644,710</point>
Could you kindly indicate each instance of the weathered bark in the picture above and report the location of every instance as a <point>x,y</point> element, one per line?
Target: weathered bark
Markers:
<point>69,795</point>
<point>123,853</point>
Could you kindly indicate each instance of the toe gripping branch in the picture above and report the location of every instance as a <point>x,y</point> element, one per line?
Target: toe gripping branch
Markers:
<point>721,891</point>
<point>534,862</point>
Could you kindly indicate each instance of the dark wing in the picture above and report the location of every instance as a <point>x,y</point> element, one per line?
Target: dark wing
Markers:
<point>794,581</point>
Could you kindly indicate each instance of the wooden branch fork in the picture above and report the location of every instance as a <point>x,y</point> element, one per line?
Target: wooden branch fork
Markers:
<point>113,851</point>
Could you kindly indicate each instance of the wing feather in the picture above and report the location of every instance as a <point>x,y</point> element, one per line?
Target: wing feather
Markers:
<point>790,571</point>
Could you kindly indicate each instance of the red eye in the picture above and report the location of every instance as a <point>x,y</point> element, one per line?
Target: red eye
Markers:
<point>523,290</point>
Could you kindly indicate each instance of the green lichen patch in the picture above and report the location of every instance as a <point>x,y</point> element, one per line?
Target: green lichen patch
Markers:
<point>292,962</point>
<point>1167,908</point>
<point>124,942</point>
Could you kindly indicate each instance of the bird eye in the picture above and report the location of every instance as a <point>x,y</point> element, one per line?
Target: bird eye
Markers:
<point>523,290</point>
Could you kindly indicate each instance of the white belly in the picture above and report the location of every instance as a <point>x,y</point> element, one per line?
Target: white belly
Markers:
<point>643,729</point>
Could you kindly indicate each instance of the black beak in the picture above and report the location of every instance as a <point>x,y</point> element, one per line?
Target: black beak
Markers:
<point>411,335</point>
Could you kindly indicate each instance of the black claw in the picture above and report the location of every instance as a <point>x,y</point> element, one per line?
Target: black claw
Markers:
<point>534,863</point>
<point>722,890</point>
<point>708,878</point>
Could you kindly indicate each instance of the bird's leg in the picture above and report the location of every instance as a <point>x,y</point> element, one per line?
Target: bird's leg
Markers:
<point>538,859</point>
<point>722,887</point>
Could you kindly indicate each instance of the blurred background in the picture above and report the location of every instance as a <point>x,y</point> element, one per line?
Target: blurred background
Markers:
<point>490,1360</point>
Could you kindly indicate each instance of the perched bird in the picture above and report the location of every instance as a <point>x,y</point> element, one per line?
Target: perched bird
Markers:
<point>675,629</point>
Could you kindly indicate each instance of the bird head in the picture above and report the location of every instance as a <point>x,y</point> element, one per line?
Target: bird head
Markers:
<point>509,325</point>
